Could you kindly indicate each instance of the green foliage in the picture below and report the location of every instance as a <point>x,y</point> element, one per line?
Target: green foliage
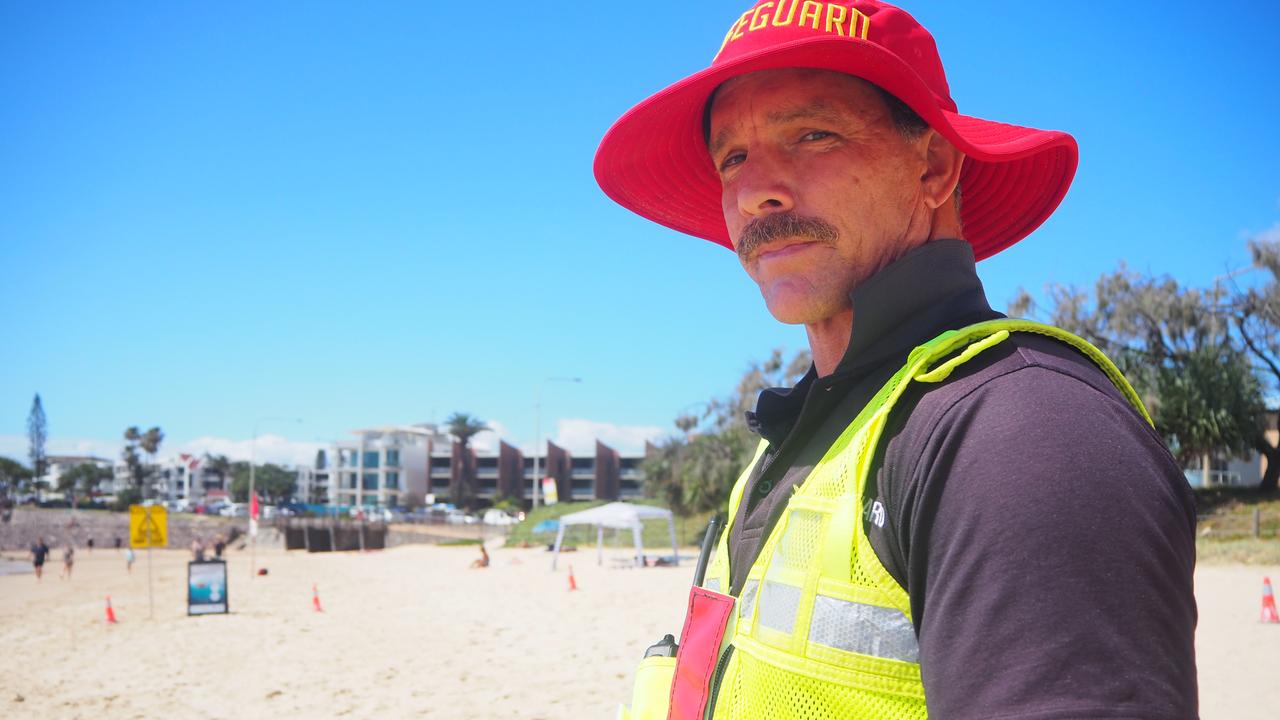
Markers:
<point>37,433</point>
<point>148,442</point>
<point>506,504</point>
<point>274,484</point>
<point>1177,349</point>
<point>695,473</point>
<point>82,480</point>
<point>1209,402</point>
<point>463,427</point>
<point>125,498</point>
<point>15,478</point>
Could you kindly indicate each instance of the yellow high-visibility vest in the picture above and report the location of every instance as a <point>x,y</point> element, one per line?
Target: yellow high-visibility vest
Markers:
<point>821,630</point>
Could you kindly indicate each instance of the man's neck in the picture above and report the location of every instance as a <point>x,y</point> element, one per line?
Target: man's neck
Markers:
<point>829,339</point>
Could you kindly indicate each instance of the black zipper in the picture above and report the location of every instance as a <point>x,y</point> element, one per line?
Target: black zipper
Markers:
<point>721,666</point>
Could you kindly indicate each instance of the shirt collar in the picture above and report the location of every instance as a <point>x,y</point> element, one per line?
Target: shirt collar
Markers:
<point>930,289</point>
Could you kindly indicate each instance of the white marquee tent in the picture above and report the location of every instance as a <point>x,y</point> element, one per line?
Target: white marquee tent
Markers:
<point>619,516</point>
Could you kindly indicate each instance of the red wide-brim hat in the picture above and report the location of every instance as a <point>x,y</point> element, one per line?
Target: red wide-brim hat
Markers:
<point>654,160</point>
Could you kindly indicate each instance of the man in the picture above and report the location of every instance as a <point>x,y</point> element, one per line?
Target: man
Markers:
<point>952,514</point>
<point>39,552</point>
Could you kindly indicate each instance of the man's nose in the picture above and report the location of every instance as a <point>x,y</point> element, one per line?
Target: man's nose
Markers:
<point>762,188</point>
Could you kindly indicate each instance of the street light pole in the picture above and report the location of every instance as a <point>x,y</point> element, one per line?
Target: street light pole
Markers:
<point>537,433</point>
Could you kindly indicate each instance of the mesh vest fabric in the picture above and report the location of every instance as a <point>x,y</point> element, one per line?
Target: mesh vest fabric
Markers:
<point>821,629</point>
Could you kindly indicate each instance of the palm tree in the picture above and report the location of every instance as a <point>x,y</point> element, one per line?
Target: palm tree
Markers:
<point>463,427</point>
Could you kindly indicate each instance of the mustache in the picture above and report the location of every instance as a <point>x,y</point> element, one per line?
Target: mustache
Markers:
<point>767,228</point>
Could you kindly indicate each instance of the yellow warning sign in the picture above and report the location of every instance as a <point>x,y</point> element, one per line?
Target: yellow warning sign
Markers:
<point>148,526</point>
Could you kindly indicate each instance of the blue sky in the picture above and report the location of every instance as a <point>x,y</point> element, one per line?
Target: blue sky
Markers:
<point>355,214</point>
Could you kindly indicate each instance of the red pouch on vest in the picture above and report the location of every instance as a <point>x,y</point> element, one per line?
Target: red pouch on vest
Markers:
<point>704,626</point>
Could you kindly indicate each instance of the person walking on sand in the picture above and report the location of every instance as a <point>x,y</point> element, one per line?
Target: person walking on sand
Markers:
<point>197,550</point>
<point>129,557</point>
<point>68,560</point>
<point>39,552</point>
<point>219,545</point>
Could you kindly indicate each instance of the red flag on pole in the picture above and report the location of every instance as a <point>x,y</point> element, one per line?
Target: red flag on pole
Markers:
<point>253,507</point>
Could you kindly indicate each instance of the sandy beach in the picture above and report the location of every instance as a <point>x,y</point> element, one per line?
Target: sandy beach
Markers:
<point>412,632</point>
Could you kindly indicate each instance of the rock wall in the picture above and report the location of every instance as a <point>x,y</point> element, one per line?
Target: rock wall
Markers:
<point>58,526</point>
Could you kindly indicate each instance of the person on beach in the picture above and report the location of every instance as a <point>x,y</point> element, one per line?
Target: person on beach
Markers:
<point>89,544</point>
<point>197,550</point>
<point>953,513</point>
<point>483,560</point>
<point>219,545</point>
<point>129,557</point>
<point>119,542</point>
<point>68,560</point>
<point>39,552</point>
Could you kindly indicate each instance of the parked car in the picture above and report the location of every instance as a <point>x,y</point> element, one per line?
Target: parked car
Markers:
<point>234,510</point>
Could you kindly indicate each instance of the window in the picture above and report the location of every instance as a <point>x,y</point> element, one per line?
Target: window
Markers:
<point>349,481</point>
<point>393,480</point>
<point>370,481</point>
<point>371,458</point>
<point>393,457</point>
<point>370,500</point>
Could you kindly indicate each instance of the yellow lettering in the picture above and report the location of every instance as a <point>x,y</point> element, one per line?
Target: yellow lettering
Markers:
<point>836,18</point>
<point>791,13</point>
<point>812,11</point>
<point>737,27</point>
<point>853,24</point>
<point>758,22</point>
<point>726,40</point>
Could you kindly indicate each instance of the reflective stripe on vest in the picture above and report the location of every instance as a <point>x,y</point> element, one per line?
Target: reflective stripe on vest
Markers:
<point>822,630</point>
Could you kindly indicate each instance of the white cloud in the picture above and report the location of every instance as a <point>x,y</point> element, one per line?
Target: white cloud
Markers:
<point>579,436</point>
<point>486,443</point>
<point>269,448</point>
<point>15,447</point>
<point>1271,234</point>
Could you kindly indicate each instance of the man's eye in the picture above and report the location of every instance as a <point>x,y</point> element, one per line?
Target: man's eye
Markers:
<point>815,135</point>
<point>732,159</point>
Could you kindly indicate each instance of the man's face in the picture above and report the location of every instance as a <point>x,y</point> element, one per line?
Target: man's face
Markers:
<point>820,189</point>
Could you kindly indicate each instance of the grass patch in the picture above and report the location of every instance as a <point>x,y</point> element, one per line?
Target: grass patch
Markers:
<point>1225,528</point>
<point>689,530</point>
<point>461,541</point>
<point>1247,551</point>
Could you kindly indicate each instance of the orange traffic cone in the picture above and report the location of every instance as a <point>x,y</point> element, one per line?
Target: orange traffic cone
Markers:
<point>573,584</point>
<point>111,614</point>
<point>1269,614</point>
<point>315,598</point>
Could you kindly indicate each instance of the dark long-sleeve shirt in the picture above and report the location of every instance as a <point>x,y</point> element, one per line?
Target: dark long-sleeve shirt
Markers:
<point>1043,532</point>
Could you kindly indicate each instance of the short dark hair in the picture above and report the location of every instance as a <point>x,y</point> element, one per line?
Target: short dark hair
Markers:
<point>907,121</point>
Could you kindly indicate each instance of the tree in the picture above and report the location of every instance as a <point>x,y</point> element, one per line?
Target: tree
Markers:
<point>37,433</point>
<point>132,461</point>
<point>219,465</point>
<point>463,427</point>
<point>1178,353</point>
<point>148,442</point>
<point>83,479</point>
<point>14,478</point>
<point>696,472</point>
<point>1255,315</point>
<point>275,484</point>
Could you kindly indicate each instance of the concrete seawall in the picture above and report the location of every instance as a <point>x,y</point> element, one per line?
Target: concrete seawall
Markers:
<point>58,526</point>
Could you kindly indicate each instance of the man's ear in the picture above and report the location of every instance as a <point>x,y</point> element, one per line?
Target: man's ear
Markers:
<point>943,162</point>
